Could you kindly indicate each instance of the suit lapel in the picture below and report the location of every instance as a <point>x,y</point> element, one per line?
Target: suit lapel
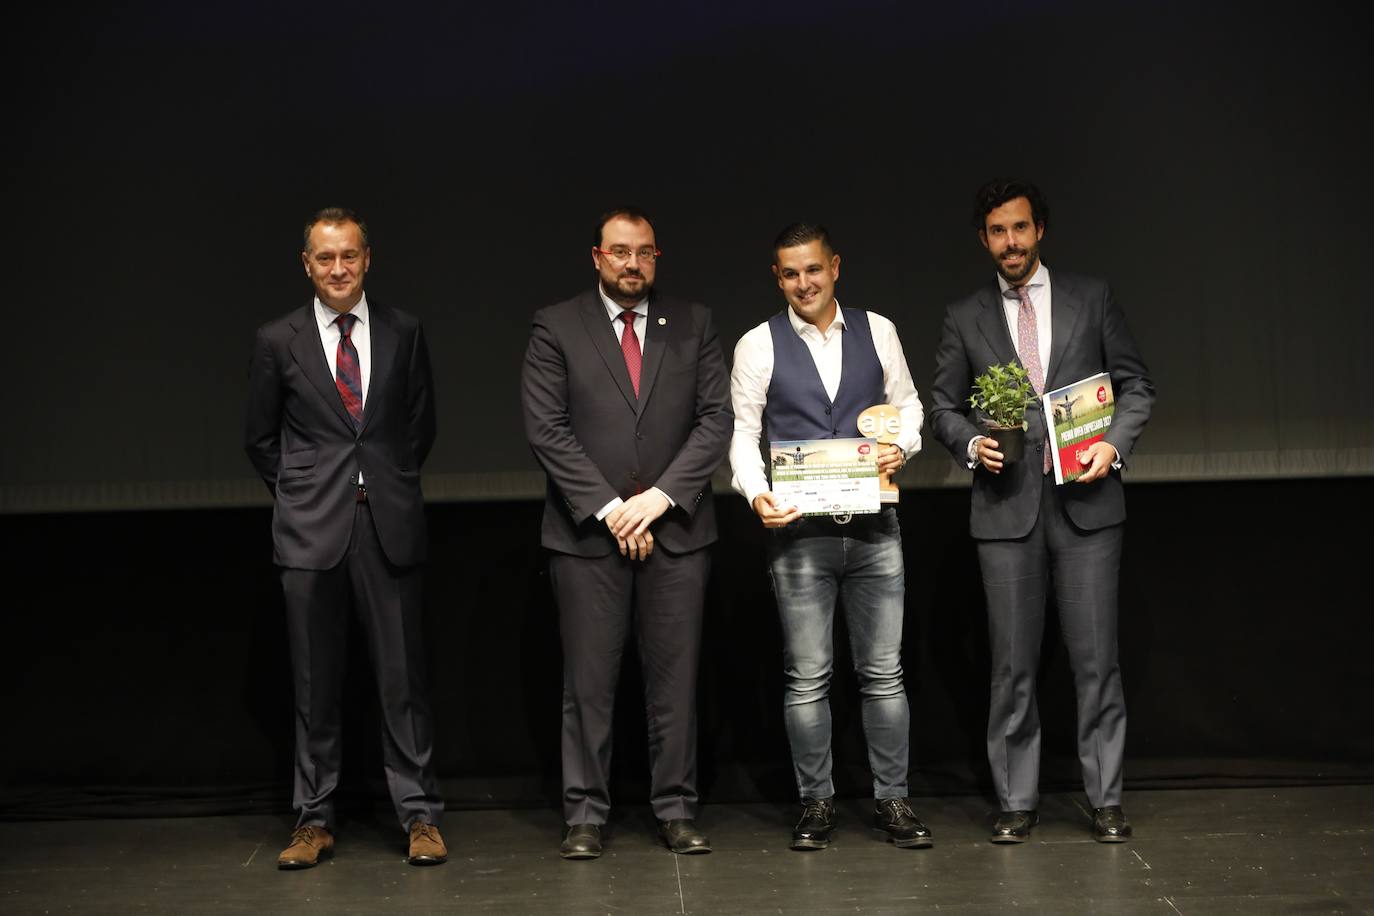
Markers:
<point>383,340</point>
<point>656,330</point>
<point>1065,310</point>
<point>993,323</point>
<point>602,334</point>
<point>308,353</point>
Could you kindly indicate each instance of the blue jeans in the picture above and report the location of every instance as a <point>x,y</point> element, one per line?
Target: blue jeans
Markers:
<point>813,562</point>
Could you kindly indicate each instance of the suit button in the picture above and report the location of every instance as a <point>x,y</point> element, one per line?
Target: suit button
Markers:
<point>639,435</point>
<point>827,411</point>
<point>634,475</point>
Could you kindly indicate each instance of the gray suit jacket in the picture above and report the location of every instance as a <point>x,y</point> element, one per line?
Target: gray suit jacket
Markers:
<point>596,440</point>
<point>1088,336</point>
<point>301,441</point>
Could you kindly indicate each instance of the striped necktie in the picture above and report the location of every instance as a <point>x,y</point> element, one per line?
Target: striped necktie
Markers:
<point>348,374</point>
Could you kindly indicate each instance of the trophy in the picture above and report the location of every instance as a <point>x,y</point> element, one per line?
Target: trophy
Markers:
<point>882,422</point>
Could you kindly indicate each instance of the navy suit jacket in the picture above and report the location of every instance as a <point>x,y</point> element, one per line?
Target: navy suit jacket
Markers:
<point>596,440</point>
<point>301,440</point>
<point>1088,335</point>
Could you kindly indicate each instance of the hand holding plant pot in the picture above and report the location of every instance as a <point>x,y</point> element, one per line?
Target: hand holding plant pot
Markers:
<point>1001,395</point>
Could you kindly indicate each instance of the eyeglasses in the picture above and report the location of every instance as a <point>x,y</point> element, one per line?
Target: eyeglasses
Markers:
<point>625,252</point>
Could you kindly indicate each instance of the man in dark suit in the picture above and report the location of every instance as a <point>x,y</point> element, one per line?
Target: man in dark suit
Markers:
<point>627,408</point>
<point>1029,531</point>
<point>340,418</point>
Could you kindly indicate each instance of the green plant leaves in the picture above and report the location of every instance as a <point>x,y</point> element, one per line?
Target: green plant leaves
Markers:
<point>1002,393</point>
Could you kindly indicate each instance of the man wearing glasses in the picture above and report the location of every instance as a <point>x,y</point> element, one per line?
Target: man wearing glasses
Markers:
<point>627,408</point>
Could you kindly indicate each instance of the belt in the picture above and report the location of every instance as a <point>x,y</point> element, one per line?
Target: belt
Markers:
<point>837,524</point>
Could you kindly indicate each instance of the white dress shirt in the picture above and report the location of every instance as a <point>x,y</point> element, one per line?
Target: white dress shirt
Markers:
<point>753,372</point>
<point>614,310</point>
<point>330,333</point>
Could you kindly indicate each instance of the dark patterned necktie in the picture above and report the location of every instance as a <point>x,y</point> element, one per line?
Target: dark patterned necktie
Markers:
<point>1028,348</point>
<point>629,345</point>
<point>348,374</point>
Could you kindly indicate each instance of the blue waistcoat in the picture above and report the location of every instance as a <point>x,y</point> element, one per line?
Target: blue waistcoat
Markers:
<point>797,406</point>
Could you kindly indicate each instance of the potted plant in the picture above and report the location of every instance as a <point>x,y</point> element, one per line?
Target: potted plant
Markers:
<point>1001,395</point>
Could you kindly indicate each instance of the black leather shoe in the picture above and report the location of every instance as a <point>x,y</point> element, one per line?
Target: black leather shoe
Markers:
<point>1014,826</point>
<point>682,836</point>
<point>816,825</point>
<point>904,829</point>
<point>1110,825</point>
<point>582,842</point>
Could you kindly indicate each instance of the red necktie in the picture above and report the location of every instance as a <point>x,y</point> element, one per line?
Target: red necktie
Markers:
<point>1028,348</point>
<point>629,345</point>
<point>348,375</point>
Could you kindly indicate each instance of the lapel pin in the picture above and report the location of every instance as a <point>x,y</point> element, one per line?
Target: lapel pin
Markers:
<point>663,321</point>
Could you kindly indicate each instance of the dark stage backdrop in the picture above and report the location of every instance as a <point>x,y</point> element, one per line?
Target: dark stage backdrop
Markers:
<point>1208,159</point>
<point>147,674</point>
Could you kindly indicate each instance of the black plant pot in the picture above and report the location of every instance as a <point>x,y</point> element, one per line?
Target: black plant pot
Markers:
<point>1011,442</point>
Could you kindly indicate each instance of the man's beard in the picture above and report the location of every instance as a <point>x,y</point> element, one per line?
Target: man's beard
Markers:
<point>1029,261</point>
<point>619,294</point>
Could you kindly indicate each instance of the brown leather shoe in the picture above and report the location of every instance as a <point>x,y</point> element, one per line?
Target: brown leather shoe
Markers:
<point>426,845</point>
<point>308,846</point>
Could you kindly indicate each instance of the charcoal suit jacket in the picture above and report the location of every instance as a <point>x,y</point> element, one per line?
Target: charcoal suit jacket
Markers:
<point>302,442</point>
<point>1088,335</point>
<point>596,440</point>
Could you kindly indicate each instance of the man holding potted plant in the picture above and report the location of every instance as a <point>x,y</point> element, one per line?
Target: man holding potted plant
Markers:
<point>1030,532</point>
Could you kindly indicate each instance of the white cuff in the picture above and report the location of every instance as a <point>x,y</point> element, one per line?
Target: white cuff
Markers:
<point>609,508</point>
<point>973,451</point>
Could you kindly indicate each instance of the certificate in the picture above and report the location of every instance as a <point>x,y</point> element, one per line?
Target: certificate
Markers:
<point>826,476</point>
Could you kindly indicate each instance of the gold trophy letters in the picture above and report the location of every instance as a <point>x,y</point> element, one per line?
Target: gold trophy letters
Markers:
<point>884,423</point>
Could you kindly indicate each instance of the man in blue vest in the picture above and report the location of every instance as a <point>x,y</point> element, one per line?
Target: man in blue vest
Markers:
<point>807,373</point>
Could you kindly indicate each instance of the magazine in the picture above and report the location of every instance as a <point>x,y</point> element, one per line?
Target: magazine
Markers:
<point>1078,415</point>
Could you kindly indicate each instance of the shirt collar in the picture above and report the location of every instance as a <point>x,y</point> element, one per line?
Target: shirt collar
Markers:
<point>800,325</point>
<point>613,308</point>
<point>1040,278</point>
<point>326,315</point>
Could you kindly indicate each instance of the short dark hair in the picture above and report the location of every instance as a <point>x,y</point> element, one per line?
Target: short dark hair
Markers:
<point>800,234</point>
<point>334,215</point>
<point>1000,190</point>
<point>633,214</point>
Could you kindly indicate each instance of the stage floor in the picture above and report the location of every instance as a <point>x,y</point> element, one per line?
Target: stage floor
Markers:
<point>1252,851</point>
